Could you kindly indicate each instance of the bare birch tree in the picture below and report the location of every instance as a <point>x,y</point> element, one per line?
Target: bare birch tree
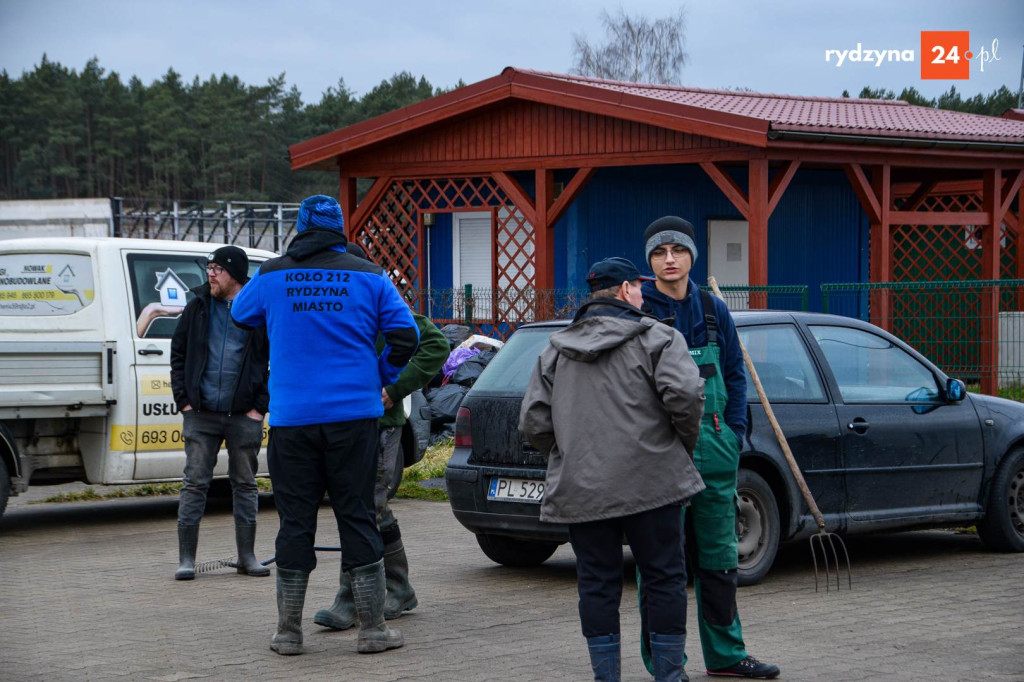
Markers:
<point>637,49</point>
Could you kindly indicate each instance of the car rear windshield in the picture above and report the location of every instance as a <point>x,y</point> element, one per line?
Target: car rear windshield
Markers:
<point>510,370</point>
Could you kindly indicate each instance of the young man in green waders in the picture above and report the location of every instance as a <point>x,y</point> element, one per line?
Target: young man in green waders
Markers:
<point>705,322</point>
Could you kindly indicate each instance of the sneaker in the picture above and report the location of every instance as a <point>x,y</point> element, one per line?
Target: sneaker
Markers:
<point>748,667</point>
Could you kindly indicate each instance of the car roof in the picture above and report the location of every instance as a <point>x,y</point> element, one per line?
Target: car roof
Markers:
<point>745,318</point>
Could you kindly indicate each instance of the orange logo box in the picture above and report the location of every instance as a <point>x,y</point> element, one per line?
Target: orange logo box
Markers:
<point>946,55</point>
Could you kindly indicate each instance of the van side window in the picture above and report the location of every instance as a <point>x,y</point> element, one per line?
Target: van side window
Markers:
<point>45,283</point>
<point>161,286</point>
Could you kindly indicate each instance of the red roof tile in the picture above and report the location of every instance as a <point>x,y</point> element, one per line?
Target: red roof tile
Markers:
<point>851,116</point>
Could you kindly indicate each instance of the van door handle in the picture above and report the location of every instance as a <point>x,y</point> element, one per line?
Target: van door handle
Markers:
<point>150,351</point>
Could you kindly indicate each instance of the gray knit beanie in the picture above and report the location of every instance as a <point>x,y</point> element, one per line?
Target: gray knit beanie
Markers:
<point>670,229</point>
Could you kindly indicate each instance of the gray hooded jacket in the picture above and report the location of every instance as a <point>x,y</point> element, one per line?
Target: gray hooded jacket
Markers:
<point>616,402</point>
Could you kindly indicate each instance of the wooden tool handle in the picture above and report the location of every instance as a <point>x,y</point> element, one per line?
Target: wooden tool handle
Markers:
<point>797,474</point>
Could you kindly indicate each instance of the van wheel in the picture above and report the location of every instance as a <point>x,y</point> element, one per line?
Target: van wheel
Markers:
<point>758,527</point>
<point>1002,529</point>
<point>5,485</point>
<point>513,552</point>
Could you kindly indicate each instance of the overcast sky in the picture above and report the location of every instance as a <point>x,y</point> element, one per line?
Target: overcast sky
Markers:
<point>777,46</point>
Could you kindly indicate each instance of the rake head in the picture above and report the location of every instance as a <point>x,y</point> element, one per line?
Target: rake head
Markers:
<point>827,546</point>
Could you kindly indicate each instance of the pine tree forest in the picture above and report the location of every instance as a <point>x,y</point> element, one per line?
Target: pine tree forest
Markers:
<point>67,133</point>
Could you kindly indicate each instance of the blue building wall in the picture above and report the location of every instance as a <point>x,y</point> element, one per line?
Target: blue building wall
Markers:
<point>817,234</point>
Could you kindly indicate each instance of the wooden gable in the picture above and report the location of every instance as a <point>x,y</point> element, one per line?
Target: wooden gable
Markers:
<point>515,135</point>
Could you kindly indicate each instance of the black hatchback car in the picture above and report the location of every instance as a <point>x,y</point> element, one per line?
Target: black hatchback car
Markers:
<point>884,438</point>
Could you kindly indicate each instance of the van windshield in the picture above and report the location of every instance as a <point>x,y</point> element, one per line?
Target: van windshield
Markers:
<point>510,370</point>
<point>45,283</point>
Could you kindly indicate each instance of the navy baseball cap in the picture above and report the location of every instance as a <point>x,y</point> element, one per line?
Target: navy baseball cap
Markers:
<point>612,272</point>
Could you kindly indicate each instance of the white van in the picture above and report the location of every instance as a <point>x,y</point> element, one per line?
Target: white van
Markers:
<point>85,336</point>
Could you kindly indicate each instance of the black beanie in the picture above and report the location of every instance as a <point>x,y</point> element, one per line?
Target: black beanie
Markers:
<point>670,229</point>
<point>234,260</point>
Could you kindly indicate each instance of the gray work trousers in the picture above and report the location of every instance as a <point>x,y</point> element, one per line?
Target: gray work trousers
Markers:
<point>384,488</point>
<point>203,433</point>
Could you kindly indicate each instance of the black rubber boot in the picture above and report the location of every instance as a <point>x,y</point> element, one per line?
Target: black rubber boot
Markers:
<point>188,539</point>
<point>667,653</point>
<point>291,595</point>
<point>605,658</point>
<point>245,539</point>
<point>400,595</point>
<point>369,591</point>
<point>342,613</point>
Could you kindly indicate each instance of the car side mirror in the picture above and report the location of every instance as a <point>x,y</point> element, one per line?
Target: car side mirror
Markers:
<point>955,390</point>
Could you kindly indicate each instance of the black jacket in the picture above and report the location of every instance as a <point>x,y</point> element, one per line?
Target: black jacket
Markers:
<point>188,359</point>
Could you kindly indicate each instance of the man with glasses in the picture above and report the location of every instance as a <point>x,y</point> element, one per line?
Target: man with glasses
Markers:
<point>219,380</point>
<point>704,320</point>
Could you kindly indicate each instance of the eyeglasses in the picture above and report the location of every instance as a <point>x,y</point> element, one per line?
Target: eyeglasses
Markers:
<point>214,270</point>
<point>661,253</point>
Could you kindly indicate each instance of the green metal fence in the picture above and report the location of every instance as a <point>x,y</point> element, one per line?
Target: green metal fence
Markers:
<point>498,312</point>
<point>973,330</point>
<point>778,297</point>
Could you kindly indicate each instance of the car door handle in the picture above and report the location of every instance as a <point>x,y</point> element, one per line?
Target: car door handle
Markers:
<point>859,425</point>
<point>150,351</point>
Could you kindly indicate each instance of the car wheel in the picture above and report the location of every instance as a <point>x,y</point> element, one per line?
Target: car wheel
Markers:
<point>514,552</point>
<point>5,485</point>
<point>1002,529</point>
<point>758,527</point>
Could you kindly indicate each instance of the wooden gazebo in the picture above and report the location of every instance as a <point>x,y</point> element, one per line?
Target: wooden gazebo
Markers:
<point>499,144</point>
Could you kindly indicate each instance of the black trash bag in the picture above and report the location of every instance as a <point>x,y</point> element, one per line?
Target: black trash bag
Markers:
<point>467,373</point>
<point>444,404</point>
<point>455,334</point>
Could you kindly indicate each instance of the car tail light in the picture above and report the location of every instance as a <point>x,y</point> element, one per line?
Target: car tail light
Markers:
<point>463,427</point>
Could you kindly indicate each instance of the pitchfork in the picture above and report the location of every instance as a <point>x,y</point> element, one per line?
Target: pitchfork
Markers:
<point>822,543</point>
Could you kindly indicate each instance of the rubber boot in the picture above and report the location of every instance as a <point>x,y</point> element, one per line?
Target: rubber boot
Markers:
<point>245,538</point>
<point>342,613</point>
<point>368,591</point>
<point>291,595</point>
<point>667,654</point>
<point>605,657</point>
<point>400,595</point>
<point>188,539</point>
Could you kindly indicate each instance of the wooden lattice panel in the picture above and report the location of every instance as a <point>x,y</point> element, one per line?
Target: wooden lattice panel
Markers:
<point>930,253</point>
<point>390,237</point>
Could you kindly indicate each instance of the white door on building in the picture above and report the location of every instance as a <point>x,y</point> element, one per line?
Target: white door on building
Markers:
<point>473,257</point>
<point>728,257</point>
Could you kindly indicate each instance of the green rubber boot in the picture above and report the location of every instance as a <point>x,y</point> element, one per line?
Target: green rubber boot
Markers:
<point>342,613</point>
<point>369,592</point>
<point>291,595</point>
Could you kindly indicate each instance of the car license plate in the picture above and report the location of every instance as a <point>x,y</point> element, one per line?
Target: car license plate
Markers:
<point>516,490</point>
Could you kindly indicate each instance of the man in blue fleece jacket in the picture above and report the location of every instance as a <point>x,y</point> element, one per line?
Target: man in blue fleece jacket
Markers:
<point>705,322</point>
<point>323,309</point>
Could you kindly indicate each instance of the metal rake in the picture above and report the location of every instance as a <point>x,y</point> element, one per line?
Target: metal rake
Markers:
<point>823,543</point>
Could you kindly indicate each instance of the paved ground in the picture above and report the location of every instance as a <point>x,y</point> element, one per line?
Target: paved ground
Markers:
<point>87,594</point>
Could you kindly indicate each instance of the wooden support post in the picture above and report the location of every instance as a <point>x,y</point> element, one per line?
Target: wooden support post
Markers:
<point>877,200</point>
<point>758,229</point>
<point>991,198</point>
<point>347,197</point>
<point>544,244</point>
<point>1019,241</point>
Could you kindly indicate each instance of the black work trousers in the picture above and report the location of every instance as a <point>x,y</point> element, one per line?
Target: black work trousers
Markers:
<point>656,540</point>
<point>341,459</point>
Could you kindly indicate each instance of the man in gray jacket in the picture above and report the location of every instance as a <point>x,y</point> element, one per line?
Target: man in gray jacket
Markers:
<point>616,402</point>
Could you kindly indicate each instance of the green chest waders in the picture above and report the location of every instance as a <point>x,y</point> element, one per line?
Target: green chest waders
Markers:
<point>712,528</point>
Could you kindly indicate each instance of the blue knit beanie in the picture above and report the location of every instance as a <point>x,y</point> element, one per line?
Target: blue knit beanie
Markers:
<point>320,210</point>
